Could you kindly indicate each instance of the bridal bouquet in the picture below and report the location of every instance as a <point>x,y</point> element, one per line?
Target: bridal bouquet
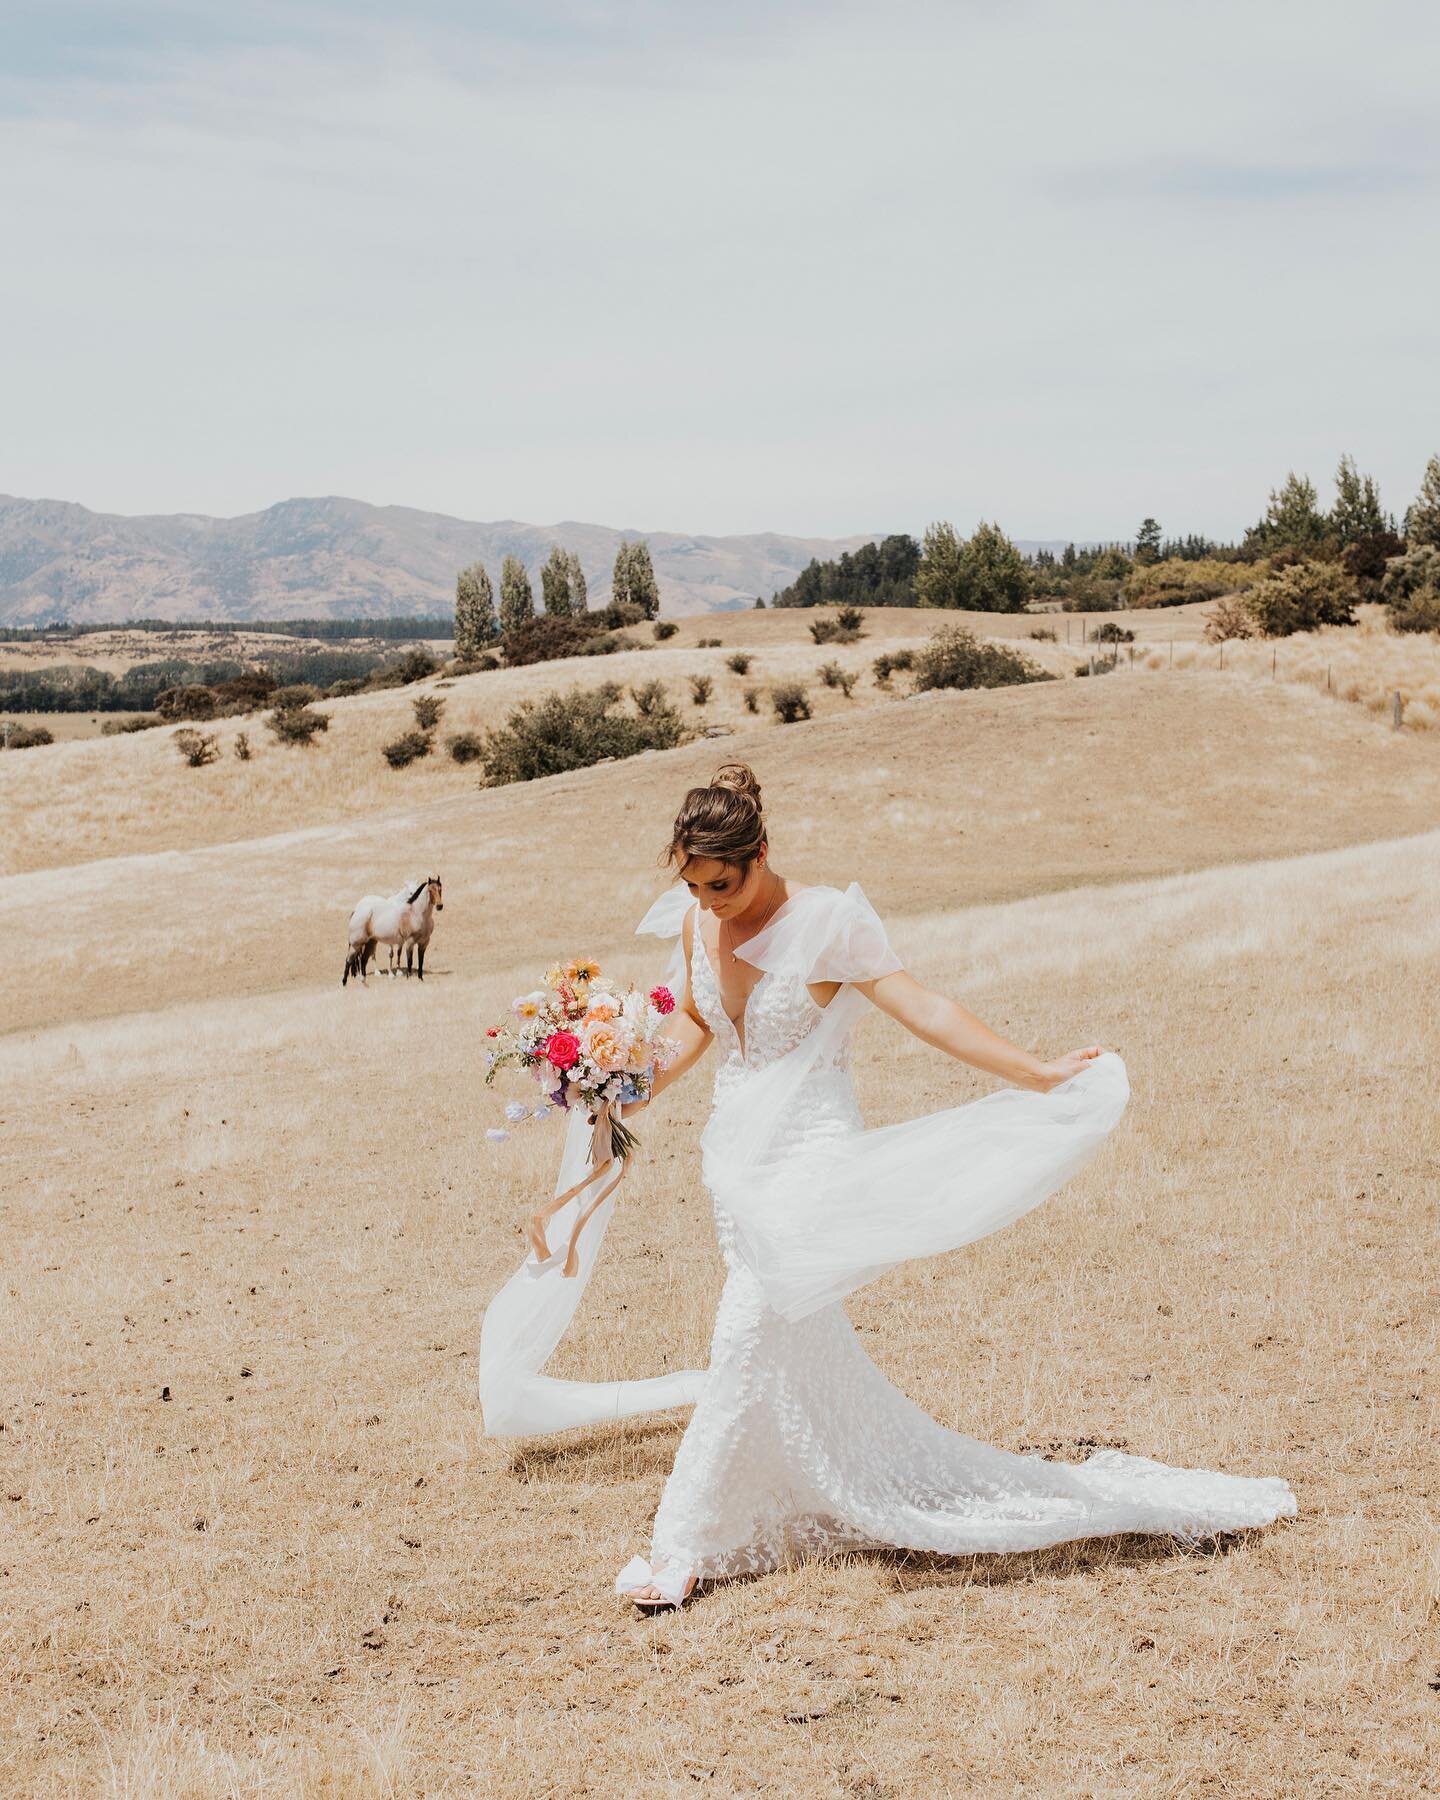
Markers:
<point>588,1044</point>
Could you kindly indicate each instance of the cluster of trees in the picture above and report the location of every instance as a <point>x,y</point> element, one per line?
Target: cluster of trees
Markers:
<point>479,623</point>
<point>1369,554</point>
<point>175,689</point>
<point>393,630</point>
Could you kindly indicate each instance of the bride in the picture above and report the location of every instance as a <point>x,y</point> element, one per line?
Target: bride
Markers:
<point>798,1444</point>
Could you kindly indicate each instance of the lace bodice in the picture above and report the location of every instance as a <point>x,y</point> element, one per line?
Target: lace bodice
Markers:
<point>779,1012</point>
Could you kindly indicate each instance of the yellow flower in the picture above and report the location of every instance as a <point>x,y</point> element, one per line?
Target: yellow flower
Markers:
<point>584,968</point>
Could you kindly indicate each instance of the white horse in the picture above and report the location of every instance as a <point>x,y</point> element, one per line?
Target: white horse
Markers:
<point>407,916</point>
<point>420,914</point>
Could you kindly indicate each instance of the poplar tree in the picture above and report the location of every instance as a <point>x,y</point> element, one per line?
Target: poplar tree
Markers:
<point>555,584</point>
<point>634,578</point>
<point>620,574</point>
<point>517,603</point>
<point>644,589</point>
<point>579,595</point>
<point>474,611</point>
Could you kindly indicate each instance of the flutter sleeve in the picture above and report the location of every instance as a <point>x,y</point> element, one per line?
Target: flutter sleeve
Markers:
<point>666,918</point>
<point>824,934</point>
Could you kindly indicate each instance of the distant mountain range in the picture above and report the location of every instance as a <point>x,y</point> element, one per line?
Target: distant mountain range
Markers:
<point>337,558</point>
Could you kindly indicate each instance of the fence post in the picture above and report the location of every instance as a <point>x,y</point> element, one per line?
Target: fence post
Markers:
<point>1222,653</point>
<point>1327,678</point>
<point>1397,707</point>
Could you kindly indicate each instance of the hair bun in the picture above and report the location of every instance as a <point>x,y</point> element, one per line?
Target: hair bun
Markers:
<point>739,778</point>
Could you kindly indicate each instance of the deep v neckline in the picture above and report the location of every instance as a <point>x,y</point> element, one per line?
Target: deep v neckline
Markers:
<point>739,1027</point>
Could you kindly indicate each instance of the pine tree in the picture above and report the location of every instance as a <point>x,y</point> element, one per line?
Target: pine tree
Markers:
<point>1147,541</point>
<point>555,584</point>
<point>940,578</point>
<point>1422,522</point>
<point>579,593</point>
<point>517,603</point>
<point>996,578</point>
<point>1293,520</point>
<point>1358,514</point>
<point>474,611</point>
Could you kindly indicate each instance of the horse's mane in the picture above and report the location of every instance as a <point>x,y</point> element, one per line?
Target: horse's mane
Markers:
<point>418,892</point>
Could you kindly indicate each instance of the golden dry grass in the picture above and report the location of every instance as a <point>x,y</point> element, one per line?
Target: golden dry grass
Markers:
<point>307,1573</point>
<point>945,800</point>
<point>1364,664</point>
<point>115,797</point>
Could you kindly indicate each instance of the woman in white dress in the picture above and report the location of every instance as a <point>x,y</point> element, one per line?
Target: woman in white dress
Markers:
<point>798,1444</point>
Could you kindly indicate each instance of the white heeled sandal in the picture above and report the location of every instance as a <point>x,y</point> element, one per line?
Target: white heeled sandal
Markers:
<point>673,1583</point>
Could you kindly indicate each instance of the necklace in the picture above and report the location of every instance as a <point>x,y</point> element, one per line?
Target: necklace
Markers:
<point>729,947</point>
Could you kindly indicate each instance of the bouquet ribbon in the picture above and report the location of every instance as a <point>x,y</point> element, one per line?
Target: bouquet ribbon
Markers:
<point>602,1153</point>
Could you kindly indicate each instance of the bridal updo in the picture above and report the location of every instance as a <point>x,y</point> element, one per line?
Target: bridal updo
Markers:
<point>723,822</point>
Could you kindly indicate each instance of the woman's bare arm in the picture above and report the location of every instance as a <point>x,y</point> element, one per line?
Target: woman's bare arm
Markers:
<point>684,1025</point>
<point>947,1025</point>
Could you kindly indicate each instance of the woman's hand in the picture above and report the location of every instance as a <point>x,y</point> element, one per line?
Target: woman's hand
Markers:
<point>1051,1074</point>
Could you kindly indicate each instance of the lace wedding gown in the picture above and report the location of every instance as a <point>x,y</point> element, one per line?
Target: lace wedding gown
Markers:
<point>798,1444</point>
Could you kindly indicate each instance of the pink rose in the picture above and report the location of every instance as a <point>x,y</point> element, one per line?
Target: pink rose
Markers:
<point>662,1000</point>
<point>562,1049</point>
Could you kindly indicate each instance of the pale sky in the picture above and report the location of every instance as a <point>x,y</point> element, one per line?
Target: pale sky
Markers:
<point>720,267</point>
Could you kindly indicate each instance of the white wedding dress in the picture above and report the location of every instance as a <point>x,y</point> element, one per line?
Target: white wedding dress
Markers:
<point>798,1444</point>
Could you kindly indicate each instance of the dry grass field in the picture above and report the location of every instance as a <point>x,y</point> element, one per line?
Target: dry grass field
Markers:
<point>252,1540</point>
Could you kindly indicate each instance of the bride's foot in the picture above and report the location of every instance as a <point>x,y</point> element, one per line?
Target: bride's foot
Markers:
<point>651,1589</point>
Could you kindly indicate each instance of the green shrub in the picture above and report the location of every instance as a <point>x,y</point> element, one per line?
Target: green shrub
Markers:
<point>701,688</point>
<point>1229,618</point>
<point>1303,597</point>
<point>300,693</point>
<point>1176,581</point>
<point>889,661</point>
<point>1043,634</point>
<point>414,665</point>
<point>15,736</point>
<point>1412,588</point>
<point>739,662</point>
<point>708,644</point>
<point>409,747</point>
<point>791,701</point>
<point>427,709</point>
<point>665,628</point>
<point>573,730</point>
<point>474,665</point>
<point>650,697</point>
<point>297,724</point>
<point>550,637</point>
<point>197,747</point>
<point>752,699</point>
<point>620,613</point>
<point>466,746</point>
<point>850,618</point>
<point>128,722</point>
<point>836,631</point>
<point>956,658</point>
<point>188,702</point>
<point>341,690</point>
<point>1111,633</point>
<point>242,746</point>
<point>835,677</point>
